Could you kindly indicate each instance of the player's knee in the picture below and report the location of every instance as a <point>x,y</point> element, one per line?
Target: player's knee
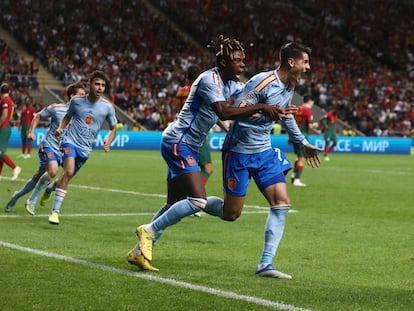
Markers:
<point>231,215</point>
<point>53,172</point>
<point>198,202</point>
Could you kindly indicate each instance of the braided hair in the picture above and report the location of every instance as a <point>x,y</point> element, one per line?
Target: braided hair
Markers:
<point>224,48</point>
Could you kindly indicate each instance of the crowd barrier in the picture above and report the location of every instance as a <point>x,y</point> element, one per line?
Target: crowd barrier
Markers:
<point>128,140</point>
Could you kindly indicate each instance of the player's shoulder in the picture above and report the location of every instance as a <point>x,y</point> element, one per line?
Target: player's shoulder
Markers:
<point>57,106</point>
<point>209,76</point>
<point>262,79</point>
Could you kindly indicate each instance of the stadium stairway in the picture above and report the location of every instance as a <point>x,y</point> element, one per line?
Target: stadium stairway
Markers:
<point>44,78</point>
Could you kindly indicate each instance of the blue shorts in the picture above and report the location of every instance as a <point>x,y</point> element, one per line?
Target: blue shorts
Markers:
<point>180,159</point>
<point>266,168</point>
<point>47,154</point>
<point>70,151</point>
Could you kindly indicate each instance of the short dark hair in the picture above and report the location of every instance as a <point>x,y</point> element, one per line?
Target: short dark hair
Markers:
<point>307,97</point>
<point>71,89</point>
<point>192,72</point>
<point>292,50</point>
<point>98,74</point>
<point>224,47</point>
<point>4,88</point>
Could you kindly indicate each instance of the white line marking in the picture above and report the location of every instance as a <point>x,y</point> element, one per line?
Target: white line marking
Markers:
<point>151,277</point>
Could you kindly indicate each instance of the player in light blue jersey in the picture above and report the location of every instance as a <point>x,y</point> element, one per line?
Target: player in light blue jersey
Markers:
<point>86,115</point>
<point>50,156</point>
<point>247,151</point>
<point>181,140</point>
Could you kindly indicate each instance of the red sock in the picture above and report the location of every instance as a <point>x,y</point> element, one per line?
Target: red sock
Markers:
<point>23,148</point>
<point>6,159</point>
<point>1,165</point>
<point>331,148</point>
<point>29,148</point>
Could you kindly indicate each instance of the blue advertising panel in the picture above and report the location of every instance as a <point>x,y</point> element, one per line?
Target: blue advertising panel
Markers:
<point>151,141</point>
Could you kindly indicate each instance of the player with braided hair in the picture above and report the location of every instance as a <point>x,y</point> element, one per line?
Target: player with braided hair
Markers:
<point>207,102</point>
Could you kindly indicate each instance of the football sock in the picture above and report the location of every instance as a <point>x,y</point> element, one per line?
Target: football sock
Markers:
<point>58,200</point>
<point>6,159</point>
<point>204,176</point>
<point>214,206</point>
<point>28,186</point>
<point>161,211</point>
<point>175,213</point>
<point>299,170</point>
<point>275,225</point>
<point>51,187</point>
<point>40,186</point>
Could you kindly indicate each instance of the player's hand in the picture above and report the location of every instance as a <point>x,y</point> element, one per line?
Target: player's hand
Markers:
<point>106,146</point>
<point>287,112</point>
<point>58,132</point>
<point>310,153</point>
<point>271,111</point>
<point>31,136</point>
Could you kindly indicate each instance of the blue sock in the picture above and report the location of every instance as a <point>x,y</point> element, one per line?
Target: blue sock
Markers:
<point>214,206</point>
<point>40,186</point>
<point>174,214</point>
<point>161,211</point>
<point>30,184</point>
<point>275,225</point>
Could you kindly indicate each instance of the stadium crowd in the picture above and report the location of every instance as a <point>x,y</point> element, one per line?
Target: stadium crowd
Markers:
<point>360,60</point>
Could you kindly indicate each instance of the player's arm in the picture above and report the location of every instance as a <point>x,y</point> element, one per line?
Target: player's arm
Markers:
<point>3,116</point>
<point>309,150</point>
<point>222,125</point>
<point>63,124</point>
<point>33,126</point>
<point>226,112</point>
<point>109,139</point>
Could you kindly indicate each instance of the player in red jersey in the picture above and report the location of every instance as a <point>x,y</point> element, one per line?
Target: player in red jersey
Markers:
<point>304,119</point>
<point>28,112</point>
<point>6,115</point>
<point>329,129</point>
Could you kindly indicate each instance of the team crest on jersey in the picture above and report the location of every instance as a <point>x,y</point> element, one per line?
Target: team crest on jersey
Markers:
<point>231,183</point>
<point>67,150</point>
<point>88,120</point>
<point>191,161</point>
<point>50,155</point>
<point>250,95</point>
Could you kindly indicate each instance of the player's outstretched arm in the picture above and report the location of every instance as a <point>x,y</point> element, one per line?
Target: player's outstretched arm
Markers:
<point>310,153</point>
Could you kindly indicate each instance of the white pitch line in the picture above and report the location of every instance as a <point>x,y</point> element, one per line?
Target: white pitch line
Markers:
<point>154,278</point>
<point>158,195</point>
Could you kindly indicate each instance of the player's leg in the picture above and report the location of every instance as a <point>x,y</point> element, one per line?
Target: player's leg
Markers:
<point>28,186</point>
<point>70,167</point>
<point>204,161</point>
<point>175,193</point>
<point>271,181</point>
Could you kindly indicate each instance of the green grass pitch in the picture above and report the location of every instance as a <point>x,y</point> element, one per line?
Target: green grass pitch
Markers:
<point>349,246</point>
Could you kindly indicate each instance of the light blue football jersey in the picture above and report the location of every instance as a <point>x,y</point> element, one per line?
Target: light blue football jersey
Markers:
<point>197,115</point>
<point>55,112</point>
<point>86,121</point>
<point>252,134</point>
